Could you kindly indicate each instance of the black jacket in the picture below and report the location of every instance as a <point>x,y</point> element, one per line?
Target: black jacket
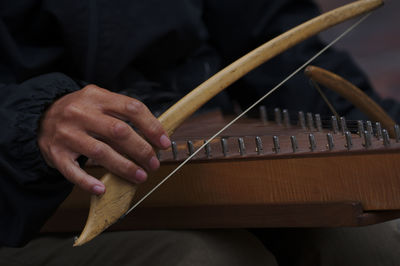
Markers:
<point>154,50</point>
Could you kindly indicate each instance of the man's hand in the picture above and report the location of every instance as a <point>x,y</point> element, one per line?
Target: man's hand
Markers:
<point>90,122</point>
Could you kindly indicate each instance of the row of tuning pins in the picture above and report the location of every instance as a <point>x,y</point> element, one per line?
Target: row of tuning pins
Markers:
<point>282,117</point>
<point>366,130</point>
<point>224,145</point>
<point>310,122</point>
<point>366,134</point>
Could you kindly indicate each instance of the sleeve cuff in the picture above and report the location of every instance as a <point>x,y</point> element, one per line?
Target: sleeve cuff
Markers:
<point>33,98</point>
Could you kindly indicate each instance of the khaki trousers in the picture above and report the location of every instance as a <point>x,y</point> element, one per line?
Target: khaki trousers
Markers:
<point>202,247</point>
<point>376,245</point>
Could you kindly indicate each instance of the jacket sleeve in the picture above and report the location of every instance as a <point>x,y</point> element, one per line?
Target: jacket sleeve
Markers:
<point>30,190</point>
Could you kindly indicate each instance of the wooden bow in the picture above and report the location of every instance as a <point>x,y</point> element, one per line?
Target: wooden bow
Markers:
<point>109,207</point>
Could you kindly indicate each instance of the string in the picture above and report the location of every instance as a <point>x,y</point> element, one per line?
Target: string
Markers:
<point>247,110</point>
<point>322,94</point>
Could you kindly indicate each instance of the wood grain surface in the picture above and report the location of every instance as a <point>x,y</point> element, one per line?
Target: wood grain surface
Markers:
<point>341,187</point>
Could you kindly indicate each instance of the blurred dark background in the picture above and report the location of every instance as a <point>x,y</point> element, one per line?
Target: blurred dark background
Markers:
<point>374,44</point>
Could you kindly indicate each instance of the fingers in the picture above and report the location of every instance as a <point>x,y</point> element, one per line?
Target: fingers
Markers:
<point>70,169</point>
<point>91,122</point>
<point>141,117</point>
<point>121,137</point>
<point>104,155</point>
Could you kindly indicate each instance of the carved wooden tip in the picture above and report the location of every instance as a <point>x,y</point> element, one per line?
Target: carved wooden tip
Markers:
<point>353,94</point>
<point>106,209</point>
<point>309,70</point>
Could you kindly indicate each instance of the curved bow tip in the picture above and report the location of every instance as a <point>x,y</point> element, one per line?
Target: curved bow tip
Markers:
<point>106,209</point>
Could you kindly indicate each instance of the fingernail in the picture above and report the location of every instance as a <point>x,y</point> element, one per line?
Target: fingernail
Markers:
<point>141,175</point>
<point>154,163</point>
<point>165,142</point>
<point>98,189</point>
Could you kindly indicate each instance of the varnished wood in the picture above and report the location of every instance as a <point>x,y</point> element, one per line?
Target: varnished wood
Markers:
<point>173,117</point>
<point>106,209</point>
<point>265,191</point>
<point>302,189</point>
<point>353,94</point>
<point>372,179</point>
<point>333,214</point>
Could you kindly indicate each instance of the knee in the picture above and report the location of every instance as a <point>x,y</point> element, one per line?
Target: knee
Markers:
<point>220,247</point>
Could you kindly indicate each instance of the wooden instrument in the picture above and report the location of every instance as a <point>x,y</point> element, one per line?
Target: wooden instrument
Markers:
<point>313,183</point>
<point>108,208</point>
<point>262,173</point>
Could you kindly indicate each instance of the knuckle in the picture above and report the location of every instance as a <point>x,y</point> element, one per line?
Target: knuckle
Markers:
<point>129,169</point>
<point>146,150</point>
<point>135,107</point>
<point>155,129</point>
<point>120,130</point>
<point>68,172</point>
<point>53,151</point>
<point>72,110</point>
<point>62,133</point>
<point>82,183</point>
<point>90,90</point>
<point>97,151</point>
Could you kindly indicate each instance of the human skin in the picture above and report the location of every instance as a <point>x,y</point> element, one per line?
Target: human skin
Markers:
<point>92,122</point>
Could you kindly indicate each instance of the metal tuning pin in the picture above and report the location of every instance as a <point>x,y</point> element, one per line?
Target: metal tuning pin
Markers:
<point>349,143</point>
<point>343,126</point>
<point>277,146</point>
<point>207,149</point>
<point>313,143</point>
<point>310,121</point>
<point>385,137</point>
<point>360,128</point>
<point>367,139</point>
<point>242,148</point>
<point>369,127</point>
<point>286,118</point>
<point>190,147</point>
<point>259,146</point>
<point>174,149</point>
<point>335,126</point>
<point>302,120</point>
<point>378,130</point>
<point>263,114</point>
<point>224,144</point>
<point>318,122</point>
<point>278,116</point>
<point>397,133</point>
<point>330,144</point>
<point>293,140</point>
